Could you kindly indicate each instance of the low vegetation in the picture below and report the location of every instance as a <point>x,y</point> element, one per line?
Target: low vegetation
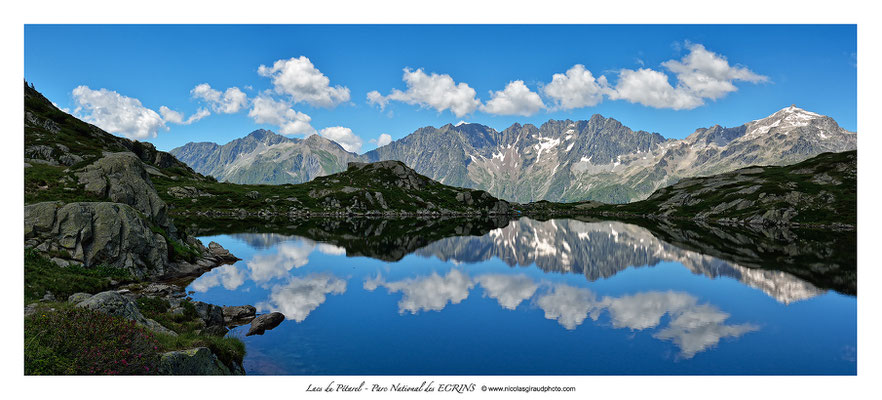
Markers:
<point>42,275</point>
<point>74,341</point>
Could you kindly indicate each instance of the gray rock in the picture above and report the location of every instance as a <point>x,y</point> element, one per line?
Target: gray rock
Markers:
<point>113,303</point>
<point>254,195</point>
<point>211,314</point>
<point>265,322</point>
<point>215,331</point>
<point>122,178</point>
<point>198,361</point>
<point>77,298</point>
<point>97,233</point>
<point>48,297</point>
<point>239,315</point>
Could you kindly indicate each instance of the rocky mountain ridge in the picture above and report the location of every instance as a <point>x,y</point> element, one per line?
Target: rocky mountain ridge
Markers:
<point>597,159</point>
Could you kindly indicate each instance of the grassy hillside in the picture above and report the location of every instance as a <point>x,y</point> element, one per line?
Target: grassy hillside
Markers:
<point>819,191</point>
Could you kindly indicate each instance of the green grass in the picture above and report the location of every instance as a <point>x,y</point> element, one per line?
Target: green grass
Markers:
<point>42,275</point>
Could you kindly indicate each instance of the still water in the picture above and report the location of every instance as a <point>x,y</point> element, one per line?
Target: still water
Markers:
<point>527,297</point>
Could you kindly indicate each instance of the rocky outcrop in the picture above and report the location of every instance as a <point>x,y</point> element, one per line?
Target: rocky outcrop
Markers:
<point>97,233</point>
<point>122,178</point>
<point>265,322</point>
<point>113,303</point>
<point>238,315</point>
<point>112,234</point>
<point>197,361</point>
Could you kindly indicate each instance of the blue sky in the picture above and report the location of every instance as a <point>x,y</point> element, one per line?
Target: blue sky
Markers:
<point>669,79</point>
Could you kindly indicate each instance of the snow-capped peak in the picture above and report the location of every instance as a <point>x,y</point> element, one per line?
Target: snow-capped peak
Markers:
<point>795,112</point>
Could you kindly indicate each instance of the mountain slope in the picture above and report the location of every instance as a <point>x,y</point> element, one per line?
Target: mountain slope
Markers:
<point>368,189</point>
<point>599,159</point>
<point>264,157</point>
<point>602,160</point>
<point>819,191</point>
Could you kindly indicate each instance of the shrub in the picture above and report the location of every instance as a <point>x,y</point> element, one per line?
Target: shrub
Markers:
<point>79,341</point>
<point>42,275</point>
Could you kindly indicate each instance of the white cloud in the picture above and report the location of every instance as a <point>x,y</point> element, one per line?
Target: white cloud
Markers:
<point>644,310</point>
<point>576,88</point>
<point>569,305</point>
<point>301,80</point>
<point>266,110</point>
<point>344,137</point>
<point>431,90</point>
<point>709,75</point>
<point>383,140</point>
<point>330,249</point>
<point>651,88</point>
<point>300,296</point>
<point>701,75</point>
<point>508,290</point>
<point>175,117</point>
<point>230,101</point>
<point>228,276</point>
<point>277,264</point>
<point>431,293</point>
<point>116,113</point>
<point>700,328</point>
<point>515,99</point>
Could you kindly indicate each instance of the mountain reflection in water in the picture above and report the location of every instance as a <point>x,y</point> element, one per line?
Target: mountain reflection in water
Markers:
<point>566,271</point>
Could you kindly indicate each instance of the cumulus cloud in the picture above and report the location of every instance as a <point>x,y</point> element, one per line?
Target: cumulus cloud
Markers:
<point>230,101</point>
<point>701,75</point>
<point>276,264</point>
<point>575,89</point>
<point>569,305</point>
<point>508,290</point>
<point>515,99</point>
<point>344,137</point>
<point>330,249</point>
<point>700,328</point>
<point>175,117</point>
<point>300,296</point>
<point>431,293</point>
<point>431,90</point>
<point>383,140</point>
<point>300,79</point>
<point>693,327</point>
<point>266,110</point>
<point>228,276</point>
<point>116,113</point>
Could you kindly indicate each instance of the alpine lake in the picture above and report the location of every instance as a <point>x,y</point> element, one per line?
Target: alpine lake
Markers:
<point>522,296</point>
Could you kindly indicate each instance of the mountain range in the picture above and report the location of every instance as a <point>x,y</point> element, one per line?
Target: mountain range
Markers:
<point>599,159</point>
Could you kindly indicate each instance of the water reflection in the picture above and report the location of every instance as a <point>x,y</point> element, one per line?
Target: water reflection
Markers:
<point>301,295</point>
<point>508,290</point>
<point>602,249</point>
<point>693,327</point>
<point>529,276</point>
<point>430,293</point>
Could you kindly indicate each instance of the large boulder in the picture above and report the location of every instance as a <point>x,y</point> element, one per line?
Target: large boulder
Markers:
<point>122,178</point>
<point>239,315</point>
<point>113,303</point>
<point>265,322</point>
<point>211,314</point>
<point>198,361</point>
<point>97,233</point>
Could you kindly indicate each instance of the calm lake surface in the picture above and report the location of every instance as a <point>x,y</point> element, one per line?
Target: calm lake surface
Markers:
<point>530,297</point>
